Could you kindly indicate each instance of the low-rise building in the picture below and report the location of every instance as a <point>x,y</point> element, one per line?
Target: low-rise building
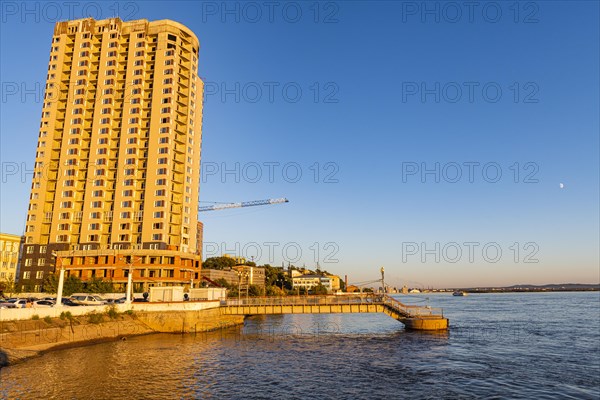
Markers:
<point>238,275</point>
<point>252,275</point>
<point>335,282</point>
<point>230,276</point>
<point>9,259</point>
<point>310,281</point>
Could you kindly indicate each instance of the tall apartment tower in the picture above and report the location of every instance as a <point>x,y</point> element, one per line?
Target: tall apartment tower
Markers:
<point>116,178</point>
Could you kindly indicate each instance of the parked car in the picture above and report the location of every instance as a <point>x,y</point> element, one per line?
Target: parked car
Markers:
<point>14,303</point>
<point>68,302</point>
<point>140,300</point>
<point>120,300</point>
<point>43,303</point>
<point>88,300</point>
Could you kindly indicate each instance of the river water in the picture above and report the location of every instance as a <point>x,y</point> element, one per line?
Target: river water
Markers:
<point>530,346</point>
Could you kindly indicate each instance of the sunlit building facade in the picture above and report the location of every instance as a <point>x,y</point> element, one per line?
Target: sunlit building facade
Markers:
<point>9,259</point>
<point>116,177</point>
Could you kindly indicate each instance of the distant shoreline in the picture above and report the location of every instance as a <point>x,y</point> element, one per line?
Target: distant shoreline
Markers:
<point>529,290</point>
<point>505,290</point>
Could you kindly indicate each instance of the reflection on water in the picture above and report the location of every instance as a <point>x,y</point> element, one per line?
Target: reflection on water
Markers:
<point>510,345</point>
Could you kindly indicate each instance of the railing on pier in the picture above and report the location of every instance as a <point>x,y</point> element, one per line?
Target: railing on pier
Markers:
<point>404,310</point>
<point>411,310</point>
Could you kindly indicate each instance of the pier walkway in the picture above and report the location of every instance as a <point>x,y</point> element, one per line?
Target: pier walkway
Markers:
<point>412,316</point>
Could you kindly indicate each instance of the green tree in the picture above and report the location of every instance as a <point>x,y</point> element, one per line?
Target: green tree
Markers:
<point>50,284</point>
<point>319,289</point>
<point>7,287</point>
<point>98,285</point>
<point>275,291</point>
<point>72,285</point>
<point>224,283</point>
<point>219,263</point>
<point>255,290</point>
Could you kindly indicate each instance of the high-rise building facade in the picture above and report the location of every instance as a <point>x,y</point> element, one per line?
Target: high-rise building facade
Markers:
<point>116,178</point>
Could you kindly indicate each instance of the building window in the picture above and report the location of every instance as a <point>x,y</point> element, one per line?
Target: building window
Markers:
<point>39,275</point>
<point>27,274</point>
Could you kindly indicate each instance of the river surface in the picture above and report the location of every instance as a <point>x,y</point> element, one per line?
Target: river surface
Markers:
<point>529,346</point>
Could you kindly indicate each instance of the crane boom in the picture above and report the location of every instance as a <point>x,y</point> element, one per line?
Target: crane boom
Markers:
<point>242,204</point>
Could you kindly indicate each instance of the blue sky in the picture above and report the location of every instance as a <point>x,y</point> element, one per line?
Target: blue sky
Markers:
<point>370,94</point>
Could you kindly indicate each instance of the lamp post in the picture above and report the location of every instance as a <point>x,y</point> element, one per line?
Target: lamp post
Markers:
<point>239,274</point>
<point>61,281</point>
<point>247,285</point>
<point>129,288</point>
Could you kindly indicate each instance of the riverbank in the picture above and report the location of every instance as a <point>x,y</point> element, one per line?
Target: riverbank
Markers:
<point>26,338</point>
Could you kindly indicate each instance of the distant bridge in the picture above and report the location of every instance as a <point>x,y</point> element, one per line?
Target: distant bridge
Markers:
<point>413,317</point>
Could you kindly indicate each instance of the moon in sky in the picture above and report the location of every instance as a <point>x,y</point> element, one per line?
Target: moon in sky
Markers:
<point>561,185</point>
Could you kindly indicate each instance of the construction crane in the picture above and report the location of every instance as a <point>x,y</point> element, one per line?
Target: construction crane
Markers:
<point>225,206</point>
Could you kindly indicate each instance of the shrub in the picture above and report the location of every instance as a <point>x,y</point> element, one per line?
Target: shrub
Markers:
<point>129,312</point>
<point>66,315</point>
<point>112,312</point>
<point>35,317</point>
<point>95,318</point>
<point>47,319</point>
